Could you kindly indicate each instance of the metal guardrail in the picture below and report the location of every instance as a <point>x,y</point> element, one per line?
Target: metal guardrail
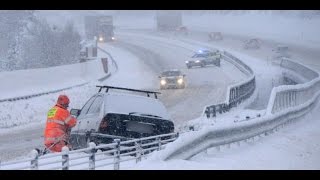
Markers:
<point>113,61</point>
<point>119,151</point>
<point>38,94</point>
<point>236,93</point>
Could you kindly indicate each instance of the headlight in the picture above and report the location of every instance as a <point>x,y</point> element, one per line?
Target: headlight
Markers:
<point>100,39</point>
<point>113,38</point>
<point>197,61</point>
<point>180,81</point>
<point>187,61</point>
<point>163,82</point>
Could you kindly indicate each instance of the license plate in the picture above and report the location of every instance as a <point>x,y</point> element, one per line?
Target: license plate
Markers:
<point>139,127</point>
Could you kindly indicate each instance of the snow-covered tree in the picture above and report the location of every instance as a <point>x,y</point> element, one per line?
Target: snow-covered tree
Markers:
<point>70,43</point>
<point>12,24</point>
<point>28,41</point>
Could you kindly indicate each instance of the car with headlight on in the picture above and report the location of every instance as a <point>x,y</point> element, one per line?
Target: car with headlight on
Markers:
<point>113,115</point>
<point>103,38</point>
<point>204,58</point>
<point>173,78</point>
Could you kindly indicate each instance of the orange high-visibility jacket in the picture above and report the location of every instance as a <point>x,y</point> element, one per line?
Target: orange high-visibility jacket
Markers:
<point>59,120</point>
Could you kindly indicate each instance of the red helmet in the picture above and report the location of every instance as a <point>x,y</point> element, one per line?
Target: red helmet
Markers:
<point>63,100</point>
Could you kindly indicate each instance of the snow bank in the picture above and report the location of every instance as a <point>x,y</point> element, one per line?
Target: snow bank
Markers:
<point>36,81</point>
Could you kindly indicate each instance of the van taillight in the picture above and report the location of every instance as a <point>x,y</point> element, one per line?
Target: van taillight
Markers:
<point>103,124</point>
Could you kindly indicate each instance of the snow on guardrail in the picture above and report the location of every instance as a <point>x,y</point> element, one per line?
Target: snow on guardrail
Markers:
<point>287,96</point>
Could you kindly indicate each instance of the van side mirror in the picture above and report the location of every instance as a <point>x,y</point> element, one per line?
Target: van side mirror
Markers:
<point>75,112</point>
<point>159,76</point>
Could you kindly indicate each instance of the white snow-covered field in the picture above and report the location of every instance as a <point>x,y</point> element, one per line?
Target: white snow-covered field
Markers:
<point>33,81</point>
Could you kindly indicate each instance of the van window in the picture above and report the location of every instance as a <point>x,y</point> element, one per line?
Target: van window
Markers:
<point>96,105</point>
<point>86,107</point>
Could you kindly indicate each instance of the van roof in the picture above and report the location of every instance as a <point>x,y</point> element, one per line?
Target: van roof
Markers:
<point>124,103</point>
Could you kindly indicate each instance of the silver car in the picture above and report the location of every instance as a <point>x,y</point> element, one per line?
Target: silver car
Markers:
<point>172,79</point>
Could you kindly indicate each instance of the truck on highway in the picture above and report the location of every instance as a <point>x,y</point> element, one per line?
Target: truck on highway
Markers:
<point>100,27</point>
<point>168,20</point>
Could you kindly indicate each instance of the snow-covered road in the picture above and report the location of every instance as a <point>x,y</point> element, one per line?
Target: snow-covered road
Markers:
<point>204,85</point>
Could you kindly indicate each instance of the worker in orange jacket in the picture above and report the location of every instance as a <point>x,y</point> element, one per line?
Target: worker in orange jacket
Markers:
<point>58,126</point>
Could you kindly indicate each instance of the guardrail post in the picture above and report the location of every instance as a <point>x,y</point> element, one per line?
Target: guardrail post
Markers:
<point>92,157</point>
<point>117,155</point>
<point>65,158</point>
<point>138,149</point>
<point>207,112</point>
<point>213,111</point>
<point>159,143</point>
<point>34,162</point>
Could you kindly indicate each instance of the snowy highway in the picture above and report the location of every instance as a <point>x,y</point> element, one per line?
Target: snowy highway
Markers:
<point>151,56</point>
<point>141,54</point>
<point>204,85</point>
